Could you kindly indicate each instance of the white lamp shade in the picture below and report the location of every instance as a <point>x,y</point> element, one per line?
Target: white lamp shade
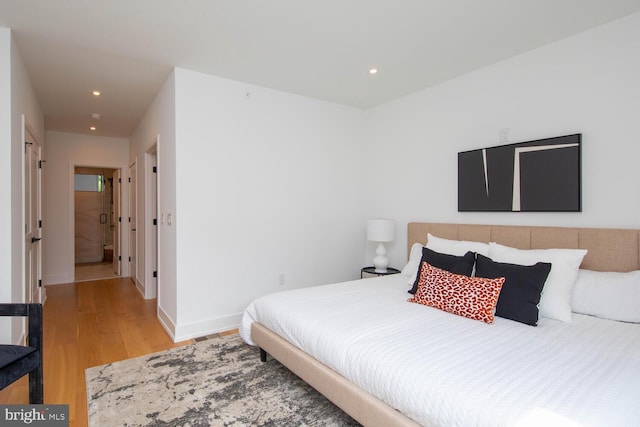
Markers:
<point>381,230</point>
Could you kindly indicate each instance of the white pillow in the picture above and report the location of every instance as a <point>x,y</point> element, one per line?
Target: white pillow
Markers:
<point>456,247</point>
<point>608,295</point>
<point>555,302</point>
<point>411,269</point>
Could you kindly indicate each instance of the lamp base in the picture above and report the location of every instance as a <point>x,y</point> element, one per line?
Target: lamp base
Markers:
<point>381,262</point>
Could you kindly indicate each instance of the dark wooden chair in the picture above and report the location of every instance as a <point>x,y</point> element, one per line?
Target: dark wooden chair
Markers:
<point>17,361</point>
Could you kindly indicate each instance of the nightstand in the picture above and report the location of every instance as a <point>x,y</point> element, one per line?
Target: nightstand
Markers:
<point>371,272</point>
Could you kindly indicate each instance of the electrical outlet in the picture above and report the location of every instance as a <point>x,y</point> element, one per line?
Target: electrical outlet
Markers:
<point>281,279</point>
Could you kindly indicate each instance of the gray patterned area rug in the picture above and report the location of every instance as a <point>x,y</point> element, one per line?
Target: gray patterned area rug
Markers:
<point>217,382</point>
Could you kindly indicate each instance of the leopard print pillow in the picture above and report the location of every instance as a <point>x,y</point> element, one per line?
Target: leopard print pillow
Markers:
<point>472,297</point>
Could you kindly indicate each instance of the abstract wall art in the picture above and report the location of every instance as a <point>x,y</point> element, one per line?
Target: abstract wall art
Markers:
<point>534,176</point>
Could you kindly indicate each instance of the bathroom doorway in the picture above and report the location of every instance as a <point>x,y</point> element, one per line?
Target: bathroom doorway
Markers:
<point>95,223</point>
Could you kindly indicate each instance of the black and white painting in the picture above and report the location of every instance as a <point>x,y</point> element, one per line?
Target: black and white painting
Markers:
<point>533,176</point>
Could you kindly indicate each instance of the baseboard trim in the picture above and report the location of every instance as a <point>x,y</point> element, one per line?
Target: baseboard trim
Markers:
<point>139,287</point>
<point>167,323</point>
<point>83,260</point>
<point>56,279</point>
<point>207,327</point>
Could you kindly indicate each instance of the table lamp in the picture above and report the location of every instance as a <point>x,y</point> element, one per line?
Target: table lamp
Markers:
<point>381,230</point>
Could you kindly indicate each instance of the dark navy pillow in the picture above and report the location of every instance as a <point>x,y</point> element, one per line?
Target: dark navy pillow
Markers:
<point>452,263</point>
<point>520,294</point>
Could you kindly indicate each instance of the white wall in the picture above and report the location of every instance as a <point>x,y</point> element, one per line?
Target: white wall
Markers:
<point>158,124</point>
<point>268,183</point>
<point>64,151</point>
<point>5,162</point>
<point>5,178</point>
<point>24,103</point>
<point>17,99</point>
<point>584,84</point>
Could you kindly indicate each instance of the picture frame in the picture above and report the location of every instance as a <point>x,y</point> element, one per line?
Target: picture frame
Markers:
<point>543,175</point>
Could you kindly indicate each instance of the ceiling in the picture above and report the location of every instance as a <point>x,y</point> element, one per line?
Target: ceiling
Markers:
<point>321,49</point>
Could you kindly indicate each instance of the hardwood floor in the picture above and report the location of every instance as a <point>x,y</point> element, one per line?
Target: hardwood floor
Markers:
<point>89,324</point>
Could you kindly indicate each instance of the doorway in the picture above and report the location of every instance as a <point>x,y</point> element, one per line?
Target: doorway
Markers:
<point>95,208</point>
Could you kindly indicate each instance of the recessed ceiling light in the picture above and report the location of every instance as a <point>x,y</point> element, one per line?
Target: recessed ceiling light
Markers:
<point>92,128</point>
<point>96,93</point>
<point>96,116</point>
<point>373,71</point>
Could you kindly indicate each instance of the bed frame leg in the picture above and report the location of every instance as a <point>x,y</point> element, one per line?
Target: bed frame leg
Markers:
<point>263,355</point>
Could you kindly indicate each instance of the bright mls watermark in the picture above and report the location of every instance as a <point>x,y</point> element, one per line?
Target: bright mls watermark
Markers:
<point>35,415</point>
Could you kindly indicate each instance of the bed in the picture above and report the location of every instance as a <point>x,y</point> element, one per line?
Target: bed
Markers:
<point>388,362</point>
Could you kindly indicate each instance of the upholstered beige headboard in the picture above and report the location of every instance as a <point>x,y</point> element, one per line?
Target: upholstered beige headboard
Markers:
<point>608,249</point>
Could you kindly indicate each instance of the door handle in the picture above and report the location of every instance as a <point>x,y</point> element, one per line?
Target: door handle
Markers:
<point>35,239</point>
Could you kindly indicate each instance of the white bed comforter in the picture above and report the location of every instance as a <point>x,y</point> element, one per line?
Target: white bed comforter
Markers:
<point>445,370</point>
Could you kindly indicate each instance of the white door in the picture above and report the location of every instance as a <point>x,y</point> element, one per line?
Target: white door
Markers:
<point>116,221</point>
<point>133,212</point>
<point>33,230</point>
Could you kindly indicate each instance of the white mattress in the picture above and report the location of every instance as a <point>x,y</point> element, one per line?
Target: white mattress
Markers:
<point>445,370</point>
